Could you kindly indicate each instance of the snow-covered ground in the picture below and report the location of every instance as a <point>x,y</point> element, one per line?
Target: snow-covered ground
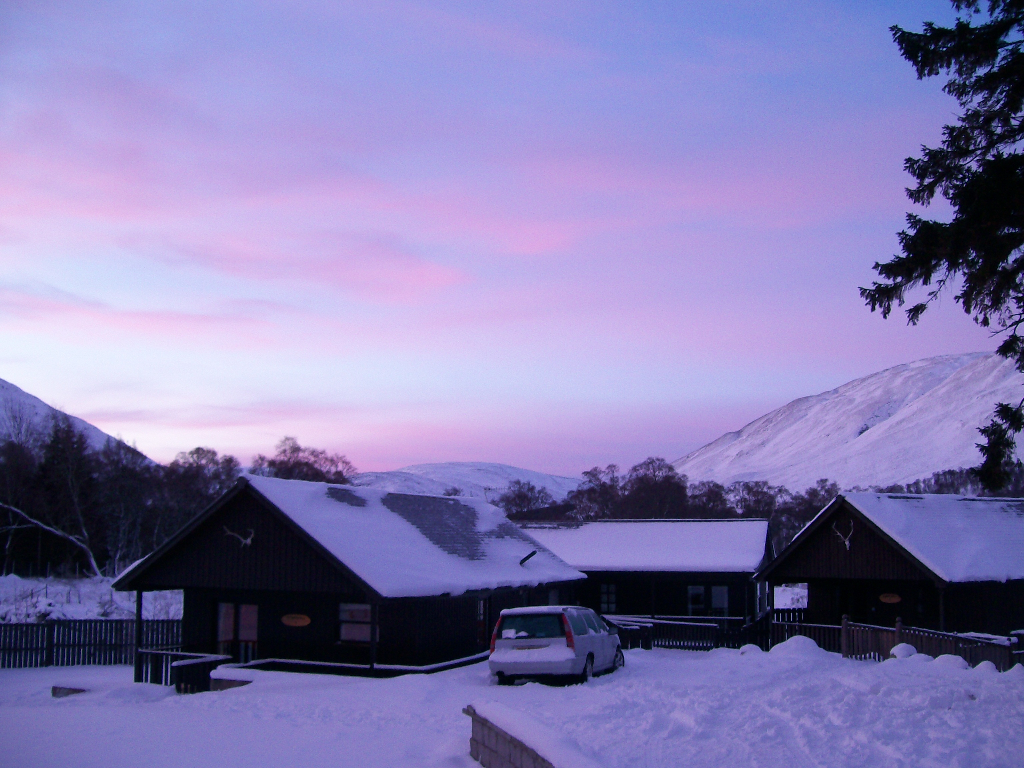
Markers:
<point>894,426</point>
<point>795,706</point>
<point>30,600</point>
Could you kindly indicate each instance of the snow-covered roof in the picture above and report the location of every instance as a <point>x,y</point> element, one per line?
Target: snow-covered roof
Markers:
<point>404,545</point>
<point>711,546</point>
<point>958,538</point>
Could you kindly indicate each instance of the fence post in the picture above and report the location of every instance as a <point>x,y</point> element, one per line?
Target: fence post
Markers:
<point>899,631</point>
<point>844,641</point>
<point>48,641</point>
<point>138,637</point>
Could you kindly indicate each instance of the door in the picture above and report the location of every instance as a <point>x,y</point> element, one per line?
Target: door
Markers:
<point>237,625</point>
<point>602,656</point>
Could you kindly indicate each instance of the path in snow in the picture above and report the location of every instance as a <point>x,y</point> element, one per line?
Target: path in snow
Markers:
<point>797,706</point>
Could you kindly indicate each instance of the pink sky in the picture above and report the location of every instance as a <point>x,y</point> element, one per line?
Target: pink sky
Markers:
<point>551,236</point>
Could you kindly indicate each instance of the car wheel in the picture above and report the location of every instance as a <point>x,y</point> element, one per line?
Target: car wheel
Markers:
<point>619,660</point>
<point>504,679</point>
<point>588,669</point>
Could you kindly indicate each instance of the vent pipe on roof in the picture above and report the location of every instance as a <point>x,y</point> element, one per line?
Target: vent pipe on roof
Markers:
<point>523,561</point>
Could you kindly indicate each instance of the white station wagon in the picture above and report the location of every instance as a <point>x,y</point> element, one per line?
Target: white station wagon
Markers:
<point>556,640</point>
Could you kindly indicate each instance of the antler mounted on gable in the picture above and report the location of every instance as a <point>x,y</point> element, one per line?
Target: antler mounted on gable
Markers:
<point>846,538</point>
<point>246,541</point>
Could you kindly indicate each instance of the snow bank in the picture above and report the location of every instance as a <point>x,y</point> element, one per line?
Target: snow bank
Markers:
<point>801,647</point>
<point>557,748</point>
<point>663,709</point>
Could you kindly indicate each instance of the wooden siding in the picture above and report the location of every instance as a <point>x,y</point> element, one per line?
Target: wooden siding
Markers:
<point>635,591</point>
<point>824,555</point>
<point>985,606</point>
<point>828,600</point>
<point>277,559</point>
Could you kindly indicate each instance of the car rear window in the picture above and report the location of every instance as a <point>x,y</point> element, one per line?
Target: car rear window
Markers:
<point>527,625</point>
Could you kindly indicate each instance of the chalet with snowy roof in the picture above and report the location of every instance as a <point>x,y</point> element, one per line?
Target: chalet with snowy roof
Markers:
<point>662,567</point>
<point>945,562</point>
<point>288,569</point>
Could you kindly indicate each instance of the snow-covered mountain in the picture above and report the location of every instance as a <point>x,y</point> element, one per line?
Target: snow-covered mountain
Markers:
<point>20,410</point>
<point>895,426</point>
<point>473,478</point>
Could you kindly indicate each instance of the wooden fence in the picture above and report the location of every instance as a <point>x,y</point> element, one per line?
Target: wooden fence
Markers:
<point>855,641</point>
<point>69,642</point>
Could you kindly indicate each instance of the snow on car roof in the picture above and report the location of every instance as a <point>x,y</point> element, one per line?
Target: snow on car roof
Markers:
<point>404,545</point>
<point>537,609</point>
<point>959,538</point>
<point>707,546</point>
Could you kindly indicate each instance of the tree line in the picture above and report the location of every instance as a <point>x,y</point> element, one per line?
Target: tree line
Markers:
<point>67,507</point>
<point>653,489</point>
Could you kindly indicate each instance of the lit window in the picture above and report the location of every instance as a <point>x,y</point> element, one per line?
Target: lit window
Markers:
<point>355,622</point>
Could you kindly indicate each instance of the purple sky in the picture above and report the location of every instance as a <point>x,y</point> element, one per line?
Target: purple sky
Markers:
<point>551,235</point>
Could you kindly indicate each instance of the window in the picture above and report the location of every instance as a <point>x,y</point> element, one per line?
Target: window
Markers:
<point>608,602</point>
<point>579,626</point>
<point>356,623</point>
<point>695,601</point>
<point>591,620</point>
<point>536,625</point>
<point>719,601</point>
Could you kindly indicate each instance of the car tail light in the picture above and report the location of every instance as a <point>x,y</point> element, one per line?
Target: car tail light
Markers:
<point>494,636</point>
<point>570,642</point>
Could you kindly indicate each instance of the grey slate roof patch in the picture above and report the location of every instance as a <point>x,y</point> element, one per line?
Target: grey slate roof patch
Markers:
<point>449,524</point>
<point>345,496</point>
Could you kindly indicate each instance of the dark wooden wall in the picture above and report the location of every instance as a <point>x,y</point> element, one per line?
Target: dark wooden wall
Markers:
<point>823,555</point>
<point>277,559</point>
<point>635,590</point>
<point>412,631</point>
<point>828,600</point>
<point>985,606</point>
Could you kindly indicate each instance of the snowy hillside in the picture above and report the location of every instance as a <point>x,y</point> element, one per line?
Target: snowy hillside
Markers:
<point>31,600</point>
<point>19,409</point>
<point>895,426</point>
<point>473,478</point>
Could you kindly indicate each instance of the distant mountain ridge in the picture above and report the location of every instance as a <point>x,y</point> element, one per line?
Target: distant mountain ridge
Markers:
<point>479,479</point>
<point>894,426</point>
<point>19,408</point>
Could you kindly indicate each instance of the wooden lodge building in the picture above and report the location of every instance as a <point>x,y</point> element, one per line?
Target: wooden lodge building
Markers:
<point>289,569</point>
<point>943,562</point>
<point>663,567</point>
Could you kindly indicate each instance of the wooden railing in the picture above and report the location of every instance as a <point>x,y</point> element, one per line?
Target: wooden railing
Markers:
<point>187,672</point>
<point>69,642</point>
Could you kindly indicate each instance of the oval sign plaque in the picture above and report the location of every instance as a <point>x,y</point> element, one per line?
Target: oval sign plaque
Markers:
<point>295,620</point>
<point>890,598</point>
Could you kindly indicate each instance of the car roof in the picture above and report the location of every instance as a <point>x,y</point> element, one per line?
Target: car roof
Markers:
<point>541,609</point>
